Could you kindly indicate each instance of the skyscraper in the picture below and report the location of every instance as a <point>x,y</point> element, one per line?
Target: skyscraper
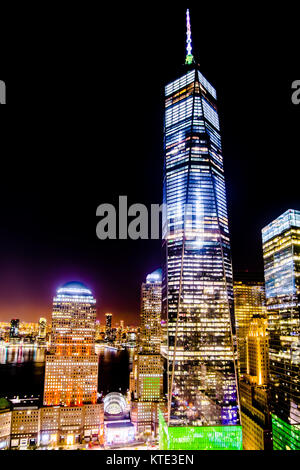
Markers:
<point>257,349</point>
<point>150,336</point>
<point>42,328</point>
<point>197,279</point>
<point>254,390</point>
<point>281,248</point>
<point>146,381</point>
<point>14,328</point>
<point>108,326</point>
<point>71,372</point>
<point>249,300</point>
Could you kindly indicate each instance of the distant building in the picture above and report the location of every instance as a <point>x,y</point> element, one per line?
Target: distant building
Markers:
<point>42,329</point>
<point>70,425</point>
<point>27,426</point>
<point>257,349</point>
<point>256,418</point>
<point>14,328</point>
<point>108,326</point>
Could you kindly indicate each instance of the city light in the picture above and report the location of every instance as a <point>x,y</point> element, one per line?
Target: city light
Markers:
<point>175,348</point>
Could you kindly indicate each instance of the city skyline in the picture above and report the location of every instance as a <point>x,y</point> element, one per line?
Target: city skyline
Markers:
<point>35,256</point>
<point>214,361</point>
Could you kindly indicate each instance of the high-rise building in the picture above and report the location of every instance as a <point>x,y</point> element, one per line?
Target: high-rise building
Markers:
<point>197,278</point>
<point>150,332</point>
<point>42,328</point>
<point>254,393</point>
<point>281,249</point>
<point>108,326</point>
<point>98,331</point>
<point>257,349</point>
<point>71,372</point>
<point>249,300</point>
<point>146,381</point>
<point>14,328</point>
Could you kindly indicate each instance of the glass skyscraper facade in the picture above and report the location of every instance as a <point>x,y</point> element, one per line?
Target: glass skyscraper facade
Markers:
<point>281,247</point>
<point>197,278</point>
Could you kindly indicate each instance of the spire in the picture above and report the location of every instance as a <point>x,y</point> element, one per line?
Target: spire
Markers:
<point>189,56</point>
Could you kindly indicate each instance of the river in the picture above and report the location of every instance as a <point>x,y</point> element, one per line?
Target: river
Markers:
<point>22,369</point>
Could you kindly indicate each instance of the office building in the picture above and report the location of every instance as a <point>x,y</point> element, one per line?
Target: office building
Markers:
<point>254,391</point>
<point>150,331</point>
<point>249,300</point>
<point>42,328</point>
<point>146,379</point>
<point>281,250</point>
<point>108,326</point>
<point>197,276</point>
<point>14,328</point>
<point>71,371</point>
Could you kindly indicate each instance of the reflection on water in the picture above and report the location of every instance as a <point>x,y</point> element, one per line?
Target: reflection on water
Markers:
<point>22,370</point>
<point>19,353</point>
<point>114,370</point>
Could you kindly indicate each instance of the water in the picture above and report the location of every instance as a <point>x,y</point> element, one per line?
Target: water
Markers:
<point>114,370</point>
<point>22,370</point>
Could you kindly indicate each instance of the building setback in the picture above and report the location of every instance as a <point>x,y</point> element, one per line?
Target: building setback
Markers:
<point>197,277</point>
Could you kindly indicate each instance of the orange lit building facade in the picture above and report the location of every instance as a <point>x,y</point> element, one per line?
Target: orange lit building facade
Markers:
<point>71,373</point>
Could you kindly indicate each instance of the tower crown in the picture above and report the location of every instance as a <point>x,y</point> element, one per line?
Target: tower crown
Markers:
<point>189,48</point>
<point>74,288</point>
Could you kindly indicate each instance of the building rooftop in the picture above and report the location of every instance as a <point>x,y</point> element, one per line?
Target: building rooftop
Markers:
<point>156,276</point>
<point>74,288</point>
<point>290,218</point>
<point>120,424</point>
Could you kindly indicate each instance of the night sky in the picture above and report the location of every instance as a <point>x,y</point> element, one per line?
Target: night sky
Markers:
<point>85,124</point>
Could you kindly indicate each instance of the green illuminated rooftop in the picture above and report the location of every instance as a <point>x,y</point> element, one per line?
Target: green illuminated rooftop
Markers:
<point>199,437</point>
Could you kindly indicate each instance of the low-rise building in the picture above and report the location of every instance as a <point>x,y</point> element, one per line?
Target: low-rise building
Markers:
<point>69,425</point>
<point>5,424</point>
<point>25,426</point>
<point>145,416</point>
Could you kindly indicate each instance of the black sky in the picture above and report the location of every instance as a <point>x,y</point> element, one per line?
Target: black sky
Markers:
<point>84,125</point>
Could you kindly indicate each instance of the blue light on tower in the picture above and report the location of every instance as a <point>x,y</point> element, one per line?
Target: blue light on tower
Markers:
<point>197,276</point>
